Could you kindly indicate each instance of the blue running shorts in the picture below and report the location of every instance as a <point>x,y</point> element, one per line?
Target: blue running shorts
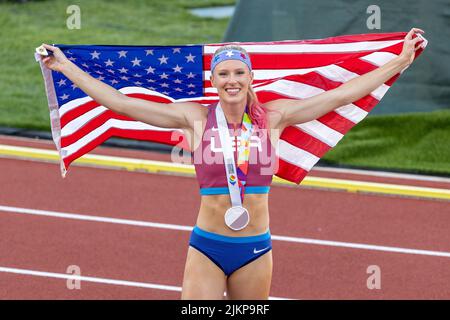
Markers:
<point>230,253</point>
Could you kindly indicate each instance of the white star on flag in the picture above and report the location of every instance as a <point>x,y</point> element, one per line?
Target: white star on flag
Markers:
<point>109,63</point>
<point>95,55</point>
<point>122,54</point>
<point>136,62</point>
<point>190,58</point>
<point>163,59</point>
<point>150,70</point>
<point>177,69</point>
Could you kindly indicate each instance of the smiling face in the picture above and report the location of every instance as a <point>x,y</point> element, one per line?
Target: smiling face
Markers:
<point>232,79</point>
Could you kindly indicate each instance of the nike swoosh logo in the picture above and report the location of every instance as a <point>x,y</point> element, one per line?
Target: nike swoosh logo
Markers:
<point>258,251</point>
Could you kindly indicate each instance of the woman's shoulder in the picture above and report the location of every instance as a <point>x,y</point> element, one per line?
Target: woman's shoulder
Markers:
<point>195,113</point>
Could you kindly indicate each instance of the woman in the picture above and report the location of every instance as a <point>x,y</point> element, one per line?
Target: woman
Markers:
<point>231,255</point>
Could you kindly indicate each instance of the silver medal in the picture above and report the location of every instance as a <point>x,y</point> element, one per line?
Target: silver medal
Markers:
<point>237,218</point>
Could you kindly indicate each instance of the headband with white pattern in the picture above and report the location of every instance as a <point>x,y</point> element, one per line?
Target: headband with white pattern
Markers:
<point>231,55</point>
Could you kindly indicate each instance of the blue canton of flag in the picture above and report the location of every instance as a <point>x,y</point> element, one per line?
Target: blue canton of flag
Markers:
<point>173,71</point>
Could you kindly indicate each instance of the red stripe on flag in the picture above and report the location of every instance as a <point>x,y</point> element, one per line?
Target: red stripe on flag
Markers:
<point>314,79</point>
<point>336,122</point>
<point>304,141</point>
<point>367,103</point>
<point>269,61</point>
<point>149,97</point>
<point>363,67</point>
<point>330,40</point>
<point>290,172</point>
<point>90,126</point>
<point>88,106</point>
<point>359,67</point>
<point>143,135</point>
<point>391,81</point>
<point>266,96</point>
<point>77,111</point>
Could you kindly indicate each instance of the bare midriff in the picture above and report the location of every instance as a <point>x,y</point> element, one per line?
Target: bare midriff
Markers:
<point>213,207</point>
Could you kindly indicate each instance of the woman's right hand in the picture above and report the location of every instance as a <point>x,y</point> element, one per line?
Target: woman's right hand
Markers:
<point>57,61</point>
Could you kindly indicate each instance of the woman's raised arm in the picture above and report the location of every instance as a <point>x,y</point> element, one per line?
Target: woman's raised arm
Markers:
<point>299,111</point>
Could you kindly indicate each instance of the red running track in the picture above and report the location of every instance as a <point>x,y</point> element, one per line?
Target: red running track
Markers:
<point>154,255</point>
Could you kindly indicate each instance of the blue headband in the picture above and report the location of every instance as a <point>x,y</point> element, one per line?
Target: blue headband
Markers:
<point>231,55</point>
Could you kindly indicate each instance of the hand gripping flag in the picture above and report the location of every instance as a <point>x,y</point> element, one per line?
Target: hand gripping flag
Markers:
<point>282,69</point>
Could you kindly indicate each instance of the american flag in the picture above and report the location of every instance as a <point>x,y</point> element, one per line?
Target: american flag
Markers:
<point>295,69</point>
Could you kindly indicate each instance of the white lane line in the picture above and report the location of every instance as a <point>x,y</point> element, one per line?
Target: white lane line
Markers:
<point>90,279</point>
<point>362,246</point>
<point>94,218</point>
<point>99,280</point>
<point>189,228</point>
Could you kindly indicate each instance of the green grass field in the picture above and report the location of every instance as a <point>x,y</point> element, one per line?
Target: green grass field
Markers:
<point>413,142</point>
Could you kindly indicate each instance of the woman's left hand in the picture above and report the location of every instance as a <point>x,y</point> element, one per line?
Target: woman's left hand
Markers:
<point>410,45</point>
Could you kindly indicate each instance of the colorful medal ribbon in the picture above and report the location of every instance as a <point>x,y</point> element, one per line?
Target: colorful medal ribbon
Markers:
<point>236,217</point>
<point>243,152</point>
<point>236,172</point>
